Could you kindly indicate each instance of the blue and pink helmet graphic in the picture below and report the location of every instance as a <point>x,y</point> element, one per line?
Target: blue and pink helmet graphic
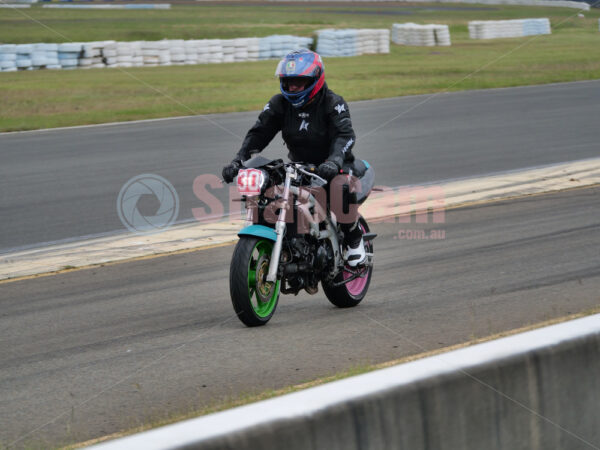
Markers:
<point>301,63</point>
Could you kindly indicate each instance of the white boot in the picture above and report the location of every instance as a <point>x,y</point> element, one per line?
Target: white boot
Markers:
<point>356,256</point>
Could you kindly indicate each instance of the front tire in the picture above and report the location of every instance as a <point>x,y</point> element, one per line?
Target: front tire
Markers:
<point>350,294</point>
<point>254,299</point>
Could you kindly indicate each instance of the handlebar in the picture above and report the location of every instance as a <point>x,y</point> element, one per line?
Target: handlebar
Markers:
<point>310,174</point>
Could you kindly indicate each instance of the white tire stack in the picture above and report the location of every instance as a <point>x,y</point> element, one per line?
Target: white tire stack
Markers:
<point>277,46</point>
<point>372,40</point>
<point>202,50</point>
<point>215,48</point>
<point>138,57</point>
<point>68,54</point>
<point>228,46</point>
<point>177,51</point>
<point>413,34</point>
<point>191,51</point>
<point>8,58</point>
<point>280,45</point>
<point>150,53</point>
<point>240,49</point>
<point>124,54</point>
<point>93,54</point>
<point>352,42</point>
<point>24,54</point>
<point>383,36</point>
<point>253,49</point>
<point>166,52</point>
<point>264,48</point>
<point>442,35</point>
<point>495,29</point>
<point>286,44</point>
<point>155,53</point>
<point>109,52</point>
<point>45,56</point>
<point>536,26</point>
<point>329,42</point>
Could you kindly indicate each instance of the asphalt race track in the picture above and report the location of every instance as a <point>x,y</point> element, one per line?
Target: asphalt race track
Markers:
<point>63,184</point>
<point>88,352</point>
<point>92,351</point>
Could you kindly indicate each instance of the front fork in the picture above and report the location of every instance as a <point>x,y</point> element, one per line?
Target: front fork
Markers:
<point>280,227</point>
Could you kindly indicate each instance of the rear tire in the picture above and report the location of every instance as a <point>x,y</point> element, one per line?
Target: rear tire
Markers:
<point>254,299</point>
<point>350,294</point>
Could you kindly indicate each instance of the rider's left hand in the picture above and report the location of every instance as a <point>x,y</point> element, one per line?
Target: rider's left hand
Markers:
<point>328,170</point>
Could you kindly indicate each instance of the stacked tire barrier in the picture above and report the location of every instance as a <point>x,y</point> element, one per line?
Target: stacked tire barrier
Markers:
<point>420,35</point>
<point>28,57</point>
<point>89,55</point>
<point>68,55</point>
<point>8,58</point>
<point>493,29</point>
<point>277,46</point>
<point>16,4</point>
<point>123,54</point>
<point>352,42</point>
<point>555,3</point>
<point>92,56</point>
<point>109,6</point>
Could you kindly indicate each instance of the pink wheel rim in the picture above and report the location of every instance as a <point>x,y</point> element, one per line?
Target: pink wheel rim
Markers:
<point>356,286</point>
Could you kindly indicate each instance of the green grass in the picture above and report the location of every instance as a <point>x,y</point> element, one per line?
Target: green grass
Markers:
<point>44,99</point>
<point>242,19</point>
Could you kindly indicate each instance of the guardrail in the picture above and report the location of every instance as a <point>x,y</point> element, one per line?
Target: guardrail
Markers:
<point>535,390</point>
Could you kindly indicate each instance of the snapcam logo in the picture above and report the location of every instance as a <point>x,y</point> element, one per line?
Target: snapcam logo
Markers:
<point>148,204</point>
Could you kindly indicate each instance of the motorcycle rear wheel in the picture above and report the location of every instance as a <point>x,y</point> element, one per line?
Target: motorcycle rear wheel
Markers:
<point>254,299</point>
<point>350,294</point>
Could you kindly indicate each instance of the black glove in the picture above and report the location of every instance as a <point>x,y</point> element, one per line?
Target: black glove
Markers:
<point>328,170</point>
<point>230,171</point>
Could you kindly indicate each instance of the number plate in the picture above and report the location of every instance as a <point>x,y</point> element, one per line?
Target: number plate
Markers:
<point>250,181</point>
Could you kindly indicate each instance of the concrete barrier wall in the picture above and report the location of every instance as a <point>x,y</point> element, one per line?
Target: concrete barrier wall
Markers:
<point>537,390</point>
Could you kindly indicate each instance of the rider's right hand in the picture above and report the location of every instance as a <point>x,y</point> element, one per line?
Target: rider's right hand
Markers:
<point>231,170</point>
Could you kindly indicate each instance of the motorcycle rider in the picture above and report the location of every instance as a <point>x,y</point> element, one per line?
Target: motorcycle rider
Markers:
<point>315,125</point>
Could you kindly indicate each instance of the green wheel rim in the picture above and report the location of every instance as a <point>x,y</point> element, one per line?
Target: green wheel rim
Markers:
<point>262,294</point>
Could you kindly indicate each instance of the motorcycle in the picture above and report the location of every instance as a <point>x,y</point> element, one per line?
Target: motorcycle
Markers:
<point>292,238</point>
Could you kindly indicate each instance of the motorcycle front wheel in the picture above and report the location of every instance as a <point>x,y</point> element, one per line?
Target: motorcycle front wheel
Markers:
<point>254,299</point>
<point>351,294</point>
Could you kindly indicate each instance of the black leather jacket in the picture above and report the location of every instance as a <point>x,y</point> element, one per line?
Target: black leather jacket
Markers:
<point>321,130</point>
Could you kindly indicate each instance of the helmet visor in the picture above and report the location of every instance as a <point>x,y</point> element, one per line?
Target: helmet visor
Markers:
<point>296,84</point>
